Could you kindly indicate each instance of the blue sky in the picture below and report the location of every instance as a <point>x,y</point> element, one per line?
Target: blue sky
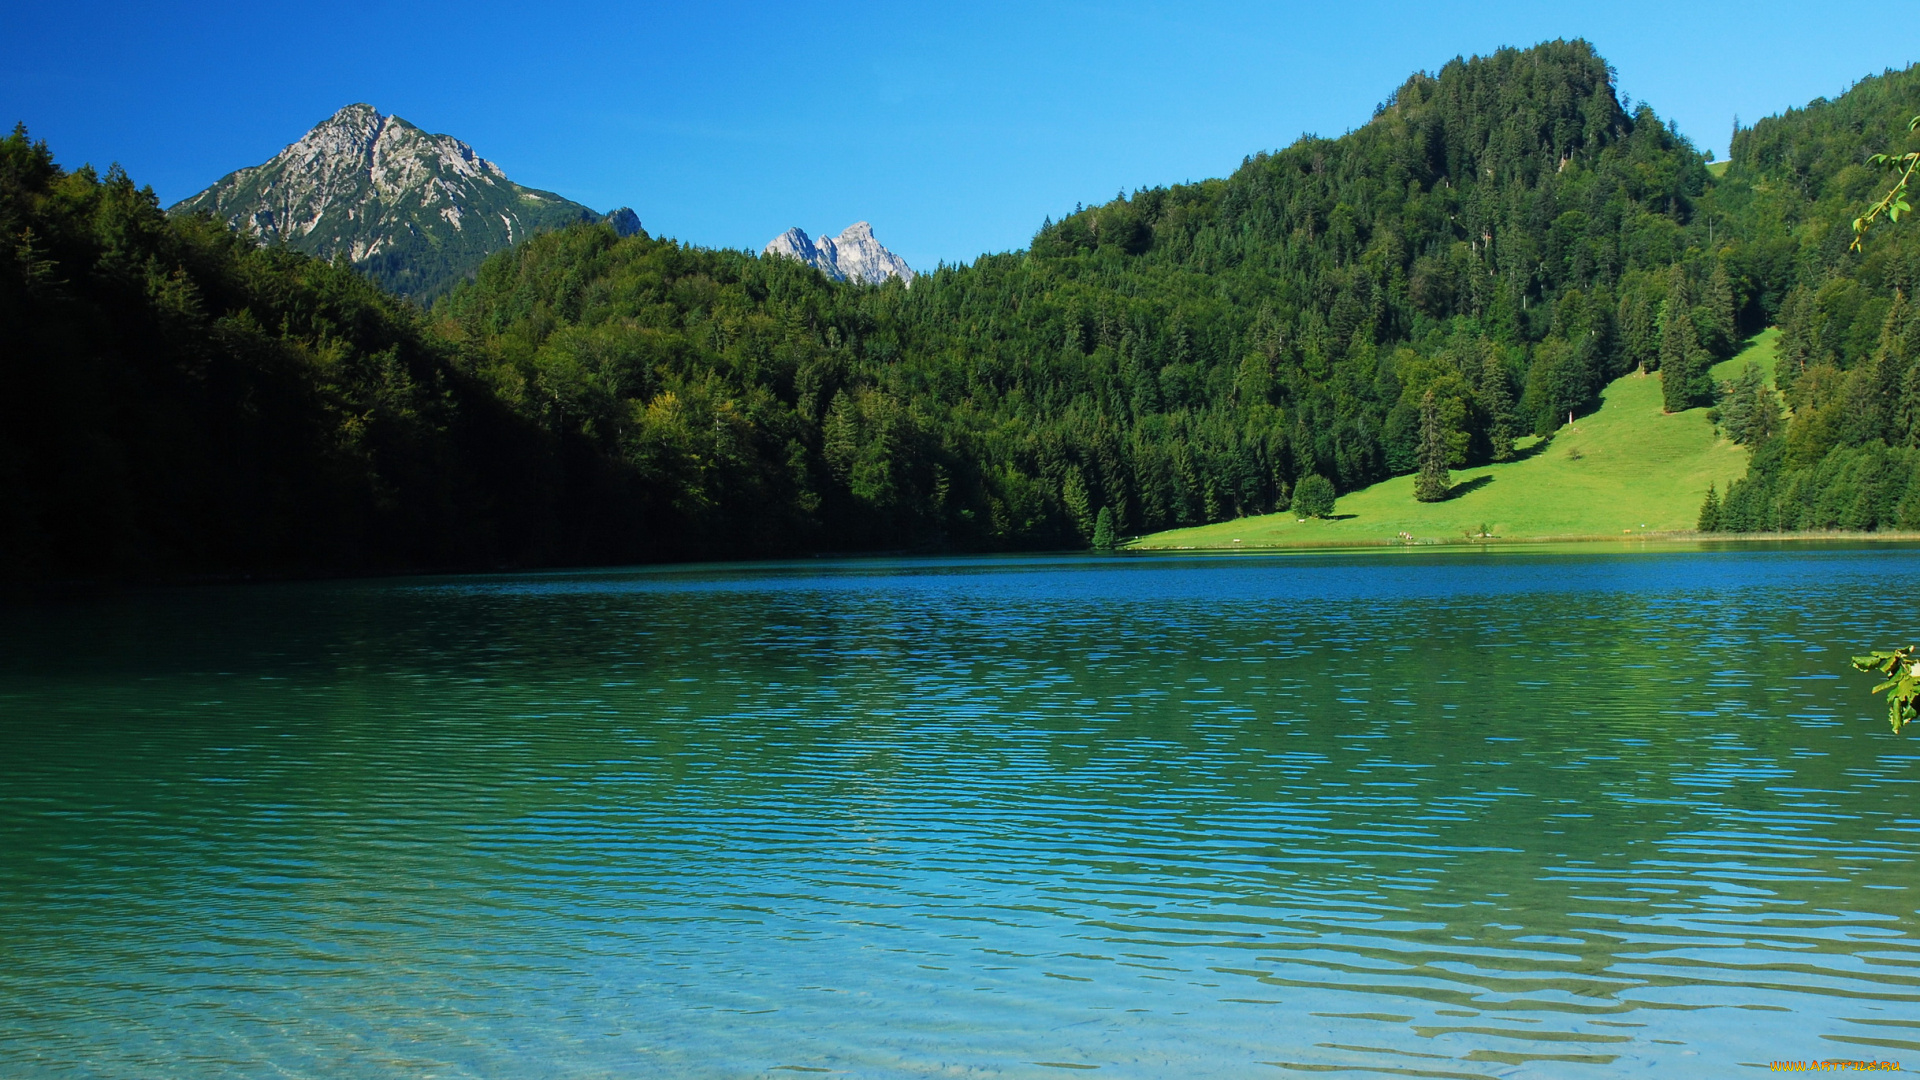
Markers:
<point>954,129</point>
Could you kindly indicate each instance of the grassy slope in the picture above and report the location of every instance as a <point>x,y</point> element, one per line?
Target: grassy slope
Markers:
<point>1638,471</point>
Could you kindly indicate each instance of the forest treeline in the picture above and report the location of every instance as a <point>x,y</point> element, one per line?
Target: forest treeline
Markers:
<point>1849,456</point>
<point>1504,234</point>
<point>181,401</point>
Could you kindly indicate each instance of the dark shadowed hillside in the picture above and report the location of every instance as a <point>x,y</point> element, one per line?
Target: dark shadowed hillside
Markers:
<point>1500,235</point>
<point>181,401</point>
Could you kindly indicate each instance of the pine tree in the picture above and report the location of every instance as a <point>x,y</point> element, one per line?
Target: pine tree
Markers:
<point>1719,304</point>
<point>1710,511</point>
<point>1907,406</point>
<point>1677,302</point>
<point>1682,364</point>
<point>1497,398</point>
<point>1103,534</point>
<point>1638,337</point>
<point>1736,412</point>
<point>1797,349</point>
<point>1763,416</point>
<point>1433,482</point>
<point>1073,493</point>
<point>1751,412</point>
<point>1733,519</point>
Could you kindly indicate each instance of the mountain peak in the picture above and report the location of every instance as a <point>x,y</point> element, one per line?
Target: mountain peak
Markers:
<point>852,256</point>
<point>624,221</point>
<point>416,210</point>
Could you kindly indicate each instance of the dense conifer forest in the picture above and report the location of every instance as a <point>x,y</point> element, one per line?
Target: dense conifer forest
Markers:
<point>1849,457</point>
<point>180,401</point>
<point>1502,234</point>
<point>1497,242</point>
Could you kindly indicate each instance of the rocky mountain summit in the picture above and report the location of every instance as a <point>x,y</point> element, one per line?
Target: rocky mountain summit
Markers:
<point>417,212</point>
<point>854,255</point>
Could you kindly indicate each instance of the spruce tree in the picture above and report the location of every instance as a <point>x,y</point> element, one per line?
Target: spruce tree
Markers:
<point>1732,518</point>
<point>1736,413</point>
<point>1719,304</point>
<point>1497,398</point>
<point>1433,482</point>
<point>1907,406</point>
<point>1103,534</point>
<point>1682,365</point>
<point>1752,410</point>
<point>1679,296</point>
<point>1673,307</point>
<point>1710,511</point>
<point>1798,350</point>
<point>1078,501</point>
<point>1638,338</point>
<point>1763,416</point>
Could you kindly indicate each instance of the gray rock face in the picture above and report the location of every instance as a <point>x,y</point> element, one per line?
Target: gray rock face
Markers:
<point>624,221</point>
<point>854,255</point>
<point>417,211</point>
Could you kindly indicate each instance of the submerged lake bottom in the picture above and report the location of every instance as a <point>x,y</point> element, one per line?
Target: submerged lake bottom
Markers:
<point>1527,814</point>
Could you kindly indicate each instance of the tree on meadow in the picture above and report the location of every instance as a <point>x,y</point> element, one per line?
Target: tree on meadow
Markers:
<point>1639,338</point>
<point>1751,410</point>
<point>1682,361</point>
<point>1716,306</point>
<point>1313,496</point>
<point>1496,397</point>
<point>1433,482</point>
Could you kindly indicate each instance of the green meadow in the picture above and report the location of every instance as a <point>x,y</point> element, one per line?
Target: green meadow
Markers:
<point>1627,469</point>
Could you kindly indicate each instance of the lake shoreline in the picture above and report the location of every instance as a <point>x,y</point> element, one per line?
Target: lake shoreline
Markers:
<point>1666,540</point>
<point>22,593</point>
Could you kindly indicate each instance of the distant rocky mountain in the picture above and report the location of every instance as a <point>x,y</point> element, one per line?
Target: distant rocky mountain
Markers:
<point>417,212</point>
<point>854,255</point>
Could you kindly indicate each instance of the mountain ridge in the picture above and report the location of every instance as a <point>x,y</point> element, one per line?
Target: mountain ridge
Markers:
<point>416,211</point>
<point>1501,243</point>
<point>854,255</point>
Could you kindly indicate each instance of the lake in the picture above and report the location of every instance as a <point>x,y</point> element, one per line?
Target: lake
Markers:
<point>1408,814</point>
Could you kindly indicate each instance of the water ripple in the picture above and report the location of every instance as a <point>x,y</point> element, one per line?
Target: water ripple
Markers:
<point>1464,816</point>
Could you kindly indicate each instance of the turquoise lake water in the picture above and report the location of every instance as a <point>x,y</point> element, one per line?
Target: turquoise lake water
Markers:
<point>1460,815</point>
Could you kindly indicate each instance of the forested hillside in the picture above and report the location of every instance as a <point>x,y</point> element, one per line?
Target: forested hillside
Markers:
<point>1849,458</point>
<point>181,401</point>
<point>1502,233</point>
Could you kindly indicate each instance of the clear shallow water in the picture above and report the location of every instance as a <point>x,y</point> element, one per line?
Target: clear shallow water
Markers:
<point>1513,815</point>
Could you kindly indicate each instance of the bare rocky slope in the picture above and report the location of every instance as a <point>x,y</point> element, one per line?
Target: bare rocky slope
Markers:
<point>416,211</point>
<point>854,255</point>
